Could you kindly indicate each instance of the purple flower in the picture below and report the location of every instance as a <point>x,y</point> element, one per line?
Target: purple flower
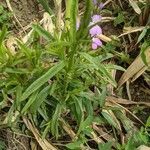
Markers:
<point>77,25</point>
<point>96,30</point>
<point>95,43</point>
<point>101,5</point>
<point>95,2</point>
<point>96,18</point>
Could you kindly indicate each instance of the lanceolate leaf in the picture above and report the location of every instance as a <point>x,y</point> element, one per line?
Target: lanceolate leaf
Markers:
<point>45,5</point>
<point>42,32</point>
<point>40,98</point>
<point>54,123</point>
<point>43,79</point>
<point>86,19</point>
<point>29,102</point>
<point>71,15</point>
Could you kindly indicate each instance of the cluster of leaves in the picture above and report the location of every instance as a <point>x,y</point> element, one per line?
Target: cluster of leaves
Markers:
<point>59,81</point>
<point>5,17</point>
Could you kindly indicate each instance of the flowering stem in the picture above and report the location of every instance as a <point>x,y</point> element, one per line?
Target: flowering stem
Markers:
<point>58,5</point>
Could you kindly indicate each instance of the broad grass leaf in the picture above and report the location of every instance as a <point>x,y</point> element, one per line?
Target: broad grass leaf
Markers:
<point>29,102</point>
<point>82,32</point>
<point>43,113</point>
<point>45,5</point>
<point>78,109</point>
<point>102,97</point>
<point>110,119</point>
<point>17,70</point>
<point>99,67</point>
<point>42,32</point>
<point>71,15</point>
<point>127,123</point>
<point>88,106</point>
<point>42,80</point>
<point>54,121</point>
<point>19,90</point>
<point>40,98</point>
<point>46,130</point>
<point>86,123</point>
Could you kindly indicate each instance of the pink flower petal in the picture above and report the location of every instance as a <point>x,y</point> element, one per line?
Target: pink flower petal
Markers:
<point>96,18</point>
<point>95,2</point>
<point>94,46</point>
<point>101,5</point>
<point>96,30</point>
<point>97,41</point>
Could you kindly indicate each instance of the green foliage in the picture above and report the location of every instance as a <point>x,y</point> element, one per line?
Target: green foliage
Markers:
<point>5,17</point>
<point>63,79</point>
<point>119,19</point>
<point>105,146</point>
<point>2,145</point>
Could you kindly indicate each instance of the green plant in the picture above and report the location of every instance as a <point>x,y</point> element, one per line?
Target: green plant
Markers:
<point>60,82</point>
<point>5,17</point>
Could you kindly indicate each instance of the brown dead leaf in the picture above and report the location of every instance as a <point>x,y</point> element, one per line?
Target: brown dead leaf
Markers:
<point>128,30</point>
<point>45,145</point>
<point>143,147</point>
<point>125,101</point>
<point>102,133</point>
<point>135,69</point>
<point>135,6</point>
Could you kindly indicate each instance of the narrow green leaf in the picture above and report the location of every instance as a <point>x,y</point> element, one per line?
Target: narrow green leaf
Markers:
<point>42,80</point>
<point>102,97</point>
<point>119,19</point>
<point>54,122</point>
<point>86,123</point>
<point>3,34</point>
<point>109,119</point>
<point>78,109</point>
<point>40,99</point>
<point>45,5</point>
<point>105,146</point>
<point>142,35</point>
<point>42,32</point>
<point>99,67</point>
<point>75,145</point>
<point>71,16</point>
<point>29,102</point>
<point>82,32</point>
<point>148,122</point>
<point>144,48</point>
<point>18,95</point>
<point>24,49</point>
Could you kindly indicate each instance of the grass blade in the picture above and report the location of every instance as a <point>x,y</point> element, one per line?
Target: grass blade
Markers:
<point>43,79</point>
<point>45,5</point>
<point>42,32</point>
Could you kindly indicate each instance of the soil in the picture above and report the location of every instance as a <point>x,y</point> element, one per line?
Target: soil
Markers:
<point>26,12</point>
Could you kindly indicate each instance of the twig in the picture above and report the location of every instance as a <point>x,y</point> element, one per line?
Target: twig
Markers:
<point>10,8</point>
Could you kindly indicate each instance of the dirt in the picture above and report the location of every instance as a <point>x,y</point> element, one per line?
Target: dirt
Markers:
<point>26,11</point>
